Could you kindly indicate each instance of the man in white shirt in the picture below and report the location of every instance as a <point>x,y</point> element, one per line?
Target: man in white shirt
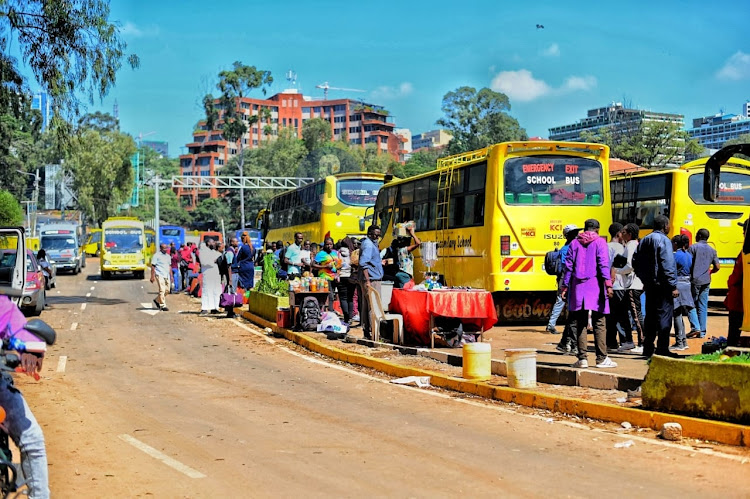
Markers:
<point>293,257</point>
<point>161,272</point>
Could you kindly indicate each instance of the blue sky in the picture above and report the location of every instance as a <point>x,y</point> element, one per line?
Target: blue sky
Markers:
<point>691,58</point>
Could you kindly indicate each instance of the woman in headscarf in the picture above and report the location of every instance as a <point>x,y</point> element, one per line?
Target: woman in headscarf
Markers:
<point>245,262</point>
<point>327,263</point>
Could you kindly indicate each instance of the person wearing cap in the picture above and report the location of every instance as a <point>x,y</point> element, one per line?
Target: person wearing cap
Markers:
<point>587,278</point>
<point>705,263</point>
<point>734,300</point>
<point>654,264</point>
<point>567,342</point>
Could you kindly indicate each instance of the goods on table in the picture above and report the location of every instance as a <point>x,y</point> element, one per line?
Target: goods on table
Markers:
<point>307,284</point>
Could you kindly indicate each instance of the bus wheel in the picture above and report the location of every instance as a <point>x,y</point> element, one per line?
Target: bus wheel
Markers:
<point>138,274</point>
<point>106,274</point>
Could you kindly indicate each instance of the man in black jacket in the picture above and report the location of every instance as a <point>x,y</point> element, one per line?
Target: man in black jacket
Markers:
<point>654,265</point>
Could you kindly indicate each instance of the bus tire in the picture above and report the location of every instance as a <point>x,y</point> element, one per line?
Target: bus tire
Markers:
<point>139,274</point>
<point>106,274</point>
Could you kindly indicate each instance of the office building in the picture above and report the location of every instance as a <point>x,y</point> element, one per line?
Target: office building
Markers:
<point>43,103</point>
<point>358,122</point>
<point>712,132</point>
<point>430,140</point>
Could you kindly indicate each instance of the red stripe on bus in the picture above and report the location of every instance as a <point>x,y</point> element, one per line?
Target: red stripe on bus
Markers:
<point>528,266</point>
<point>516,264</point>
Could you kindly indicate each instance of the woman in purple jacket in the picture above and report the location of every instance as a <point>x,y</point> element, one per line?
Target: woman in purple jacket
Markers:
<point>587,283</point>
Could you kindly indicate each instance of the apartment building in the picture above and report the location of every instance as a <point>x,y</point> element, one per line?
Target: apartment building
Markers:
<point>430,139</point>
<point>358,122</point>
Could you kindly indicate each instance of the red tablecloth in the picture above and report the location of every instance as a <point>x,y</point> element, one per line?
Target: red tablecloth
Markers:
<point>416,307</point>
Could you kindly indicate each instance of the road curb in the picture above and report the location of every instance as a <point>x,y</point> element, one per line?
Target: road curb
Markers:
<point>717,431</point>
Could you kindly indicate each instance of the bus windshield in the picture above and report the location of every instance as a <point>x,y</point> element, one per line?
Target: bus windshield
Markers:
<point>58,243</point>
<point>358,192</point>
<point>733,189</point>
<point>171,232</point>
<point>123,240</point>
<point>553,180</point>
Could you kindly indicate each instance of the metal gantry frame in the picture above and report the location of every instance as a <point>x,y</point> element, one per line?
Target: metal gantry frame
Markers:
<point>226,182</point>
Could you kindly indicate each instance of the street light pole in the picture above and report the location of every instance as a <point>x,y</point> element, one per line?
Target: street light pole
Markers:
<point>34,200</point>
<point>157,180</point>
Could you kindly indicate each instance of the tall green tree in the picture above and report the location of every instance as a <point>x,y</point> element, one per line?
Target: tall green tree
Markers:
<point>211,212</point>
<point>11,212</point>
<point>70,47</point>
<point>742,139</point>
<point>233,85</point>
<point>170,210</point>
<point>102,171</point>
<point>316,132</point>
<point>99,121</point>
<point>477,119</point>
<point>420,162</point>
<point>19,134</point>
<point>647,144</point>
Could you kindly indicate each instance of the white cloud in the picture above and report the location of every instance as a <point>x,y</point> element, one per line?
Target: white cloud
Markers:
<point>552,51</point>
<point>521,85</point>
<point>737,67</point>
<point>574,83</point>
<point>388,92</point>
<point>131,30</point>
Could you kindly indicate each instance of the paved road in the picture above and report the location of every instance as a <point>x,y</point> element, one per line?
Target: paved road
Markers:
<point>173,405</point>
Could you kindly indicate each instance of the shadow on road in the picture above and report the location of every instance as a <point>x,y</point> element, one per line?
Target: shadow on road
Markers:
<point>65,300</point>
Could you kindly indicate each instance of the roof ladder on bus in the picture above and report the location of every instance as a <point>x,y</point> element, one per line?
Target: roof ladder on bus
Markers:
<point>445,181</point>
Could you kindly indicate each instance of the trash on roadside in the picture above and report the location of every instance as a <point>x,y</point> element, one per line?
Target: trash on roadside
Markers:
<point>626,425</point>
<point>419,381</point>
<point>671,431</point>
<point>622,400</point>
<point>624,445</point>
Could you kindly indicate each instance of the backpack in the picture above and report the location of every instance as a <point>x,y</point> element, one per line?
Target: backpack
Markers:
<point>553,263</point>
<point>309,314</point>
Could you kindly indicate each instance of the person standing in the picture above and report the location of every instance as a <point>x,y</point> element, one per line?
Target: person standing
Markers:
<point>683,304</point>
<point>327,264</point>
<point>705,263</point>
<point>734,301</point>
<point>211,288</point>
<point>587,277</point>
<point>370,275</point>
<point>634,288</point>
<point>618,321</point>
<point>346,284</point>
<point>293,256</point>
<point>245,259</point>
<point>175,265</point>
<point>186,258</point>
<point>161,270</point>
<point>654,264</point>
<point>569,232</point>
<point>305,258</point>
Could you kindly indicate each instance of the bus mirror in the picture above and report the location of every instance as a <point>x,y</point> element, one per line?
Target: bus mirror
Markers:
<point>361,224</point>
<point>712,171</point>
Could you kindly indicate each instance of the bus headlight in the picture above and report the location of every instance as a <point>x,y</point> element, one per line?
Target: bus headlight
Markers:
<point>107,262</point>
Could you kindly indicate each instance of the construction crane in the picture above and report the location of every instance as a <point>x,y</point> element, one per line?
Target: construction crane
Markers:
<point>326,88</point>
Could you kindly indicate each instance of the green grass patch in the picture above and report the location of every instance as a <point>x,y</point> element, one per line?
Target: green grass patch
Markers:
<point>717,357</point>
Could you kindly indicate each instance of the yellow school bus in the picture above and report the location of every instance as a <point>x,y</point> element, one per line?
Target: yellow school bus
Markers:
<point>150,249</point>
<point>93,242</point>
<point>495,212</point>
<point>678,194</point>
<point>332,206</point>
<point>123,243</point>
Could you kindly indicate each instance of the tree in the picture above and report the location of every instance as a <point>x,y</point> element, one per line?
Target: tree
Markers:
<point>69,47</point>
<point>10,210</point>
<point>210,212</point>
<point>645,143</point>
<point>101,170</point>
<point>170,210</point>
<point>315,133</point>
<point>19,135</point>
<point>234,85</point>
<point>99,121</point>
<point>742,139</point>
<point>420,162</point>
<point>478,119</point>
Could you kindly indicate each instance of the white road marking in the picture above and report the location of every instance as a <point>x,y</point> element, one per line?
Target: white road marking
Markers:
<point>83,306</point>
<point>487,405</point>
<point>149,309</point>
<point>88,295</point>
<point>61,363</point>
<point>92,288</point>
<point>172,463</point>
<point>74,326</point>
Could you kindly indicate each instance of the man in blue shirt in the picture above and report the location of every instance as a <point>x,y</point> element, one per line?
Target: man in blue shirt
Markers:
<point>705,263</point>
<point>370,274</point>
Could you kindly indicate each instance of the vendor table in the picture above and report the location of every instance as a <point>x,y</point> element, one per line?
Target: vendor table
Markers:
<point>297,297</point>
<point>420,307</point>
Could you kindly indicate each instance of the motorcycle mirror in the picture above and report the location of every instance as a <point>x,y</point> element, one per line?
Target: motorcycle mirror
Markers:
<point>41,329</point>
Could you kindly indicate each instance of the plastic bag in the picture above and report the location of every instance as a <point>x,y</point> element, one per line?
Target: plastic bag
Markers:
<point>331,322</point>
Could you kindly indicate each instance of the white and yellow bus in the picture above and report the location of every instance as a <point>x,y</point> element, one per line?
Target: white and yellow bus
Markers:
<point>497,211</point>
<point>123,247</point>
<point>332,206</point>
<point>678,194</point>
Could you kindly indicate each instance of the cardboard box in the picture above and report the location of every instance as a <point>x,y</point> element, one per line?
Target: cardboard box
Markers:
<point>400,230</point>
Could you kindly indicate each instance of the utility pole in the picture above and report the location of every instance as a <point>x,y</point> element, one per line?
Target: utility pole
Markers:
<point>34,201</point>
<point>156,181</point>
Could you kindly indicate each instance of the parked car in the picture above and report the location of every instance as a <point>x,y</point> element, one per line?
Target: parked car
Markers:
<point>34,293</point>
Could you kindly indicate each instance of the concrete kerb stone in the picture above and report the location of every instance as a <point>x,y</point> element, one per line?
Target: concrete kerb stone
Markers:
<point>725,433</point>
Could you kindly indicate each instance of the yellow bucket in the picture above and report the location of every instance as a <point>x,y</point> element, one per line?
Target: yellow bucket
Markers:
<point>477,362</point>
